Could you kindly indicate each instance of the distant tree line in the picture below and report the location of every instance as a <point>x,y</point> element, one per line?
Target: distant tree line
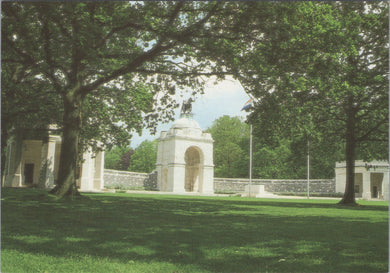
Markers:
<point>140,159</point>
<point>283,158</point>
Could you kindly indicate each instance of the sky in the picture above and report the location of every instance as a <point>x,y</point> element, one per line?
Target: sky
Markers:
<point>227,97</point>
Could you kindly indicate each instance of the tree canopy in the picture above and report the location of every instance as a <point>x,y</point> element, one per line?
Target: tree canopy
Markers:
<point>111,62</point>
<point>231,138</point>
<point>318,71</point>
<point>321,74</point>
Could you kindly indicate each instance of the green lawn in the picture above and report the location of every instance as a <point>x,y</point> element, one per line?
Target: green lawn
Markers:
<point>167,233</point>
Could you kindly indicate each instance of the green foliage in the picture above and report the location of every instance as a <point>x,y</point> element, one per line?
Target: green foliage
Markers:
<point>98,56</point>
<point>118,61</point>
<point>319,72</point>
<point>120,108</point>
<point>276,157</point>
<point>144,157</point>
<point>118,158</point>
<point>286,158</point>
<point>28,105</point>
<point>279,157</point>
<point>111,62</point>
<point>231,136</point>
<point>168,233</point>
<point>273,162</point>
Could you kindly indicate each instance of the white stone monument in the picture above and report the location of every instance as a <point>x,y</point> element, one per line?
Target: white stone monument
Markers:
<point>36,163</point>
<point>185,158</point>
<point>371,179</point>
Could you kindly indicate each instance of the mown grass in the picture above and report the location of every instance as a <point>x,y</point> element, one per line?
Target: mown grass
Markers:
<point>166,233</point>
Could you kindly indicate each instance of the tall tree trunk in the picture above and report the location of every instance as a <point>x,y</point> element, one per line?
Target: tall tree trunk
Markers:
<point>66,184</point>
<point>349,194</point>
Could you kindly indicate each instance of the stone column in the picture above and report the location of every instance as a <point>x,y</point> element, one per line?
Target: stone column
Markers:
<point>98,182</point>
<point>86,180</point>
<point>177,173</point>
<point>340,174</point>
<point>366,193</point>
<point>43,167</point>
<point>208,179</point>
<point>13,170</point>
<point>48,161</point>
<point>385,185</point>
<point>160,177</point>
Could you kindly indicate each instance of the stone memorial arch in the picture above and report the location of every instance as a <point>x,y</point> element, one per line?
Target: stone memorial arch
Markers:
<point>185,159</point>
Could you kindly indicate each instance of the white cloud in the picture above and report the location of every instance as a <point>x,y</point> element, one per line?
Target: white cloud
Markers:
<point>227,87</point>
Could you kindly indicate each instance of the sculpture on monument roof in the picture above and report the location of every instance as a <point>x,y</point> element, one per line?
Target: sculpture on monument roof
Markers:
<point>186,107</point>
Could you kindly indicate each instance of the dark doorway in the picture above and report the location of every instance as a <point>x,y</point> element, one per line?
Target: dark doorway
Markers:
<point>375,192</point>
<point>28,174</point>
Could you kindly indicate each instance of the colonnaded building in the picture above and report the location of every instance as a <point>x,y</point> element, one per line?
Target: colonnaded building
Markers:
<point>371,179</point>
<point>36,162</point>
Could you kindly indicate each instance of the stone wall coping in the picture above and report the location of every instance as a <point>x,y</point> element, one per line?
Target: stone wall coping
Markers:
<point>361,163</point>
<point>233,180</point>
<point>201,138</point>
<point>124,172</point>
<point>246,180</point>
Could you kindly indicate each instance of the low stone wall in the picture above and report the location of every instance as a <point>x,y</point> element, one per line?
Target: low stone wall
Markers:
<point>132,180</point>
<point>321,186</point>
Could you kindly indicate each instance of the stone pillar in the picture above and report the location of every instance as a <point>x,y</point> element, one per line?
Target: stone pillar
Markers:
<point>42,171</point>
<point>208,167</point>
<point>366,193</point>
<point>13,169</point>
<point>385,185</point>
<point>48,161</point>
<point>98,182</point>
<point>160,176</point>
<point>177,171</point>
<point>87,175</point>
<point>208,180</point>
<point>340,174</point>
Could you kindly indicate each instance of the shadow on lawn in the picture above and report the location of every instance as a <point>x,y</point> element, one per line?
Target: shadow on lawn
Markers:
<point>290,203</point>
<point>218,235</point>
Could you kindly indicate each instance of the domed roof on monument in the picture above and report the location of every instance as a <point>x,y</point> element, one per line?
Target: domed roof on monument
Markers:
<point>188,128</point>
<point>184,122</point>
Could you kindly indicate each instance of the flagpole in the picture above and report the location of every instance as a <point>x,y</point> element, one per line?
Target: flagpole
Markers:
<point>250,161</point>
<point>308,169</point>
<point>248,105</point>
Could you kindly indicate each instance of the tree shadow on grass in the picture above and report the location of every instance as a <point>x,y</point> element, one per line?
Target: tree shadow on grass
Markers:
<point>216,235</point>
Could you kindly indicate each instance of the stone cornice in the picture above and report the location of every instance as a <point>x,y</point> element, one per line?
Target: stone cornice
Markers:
<point>199,139</point>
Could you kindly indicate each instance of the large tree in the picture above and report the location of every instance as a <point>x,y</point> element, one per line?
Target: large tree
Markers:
<point>231,150</point>
<point>106,60</point>
<point>321,73</point>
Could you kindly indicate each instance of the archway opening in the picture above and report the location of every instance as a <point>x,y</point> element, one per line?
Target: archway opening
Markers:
<point>192,160</point>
